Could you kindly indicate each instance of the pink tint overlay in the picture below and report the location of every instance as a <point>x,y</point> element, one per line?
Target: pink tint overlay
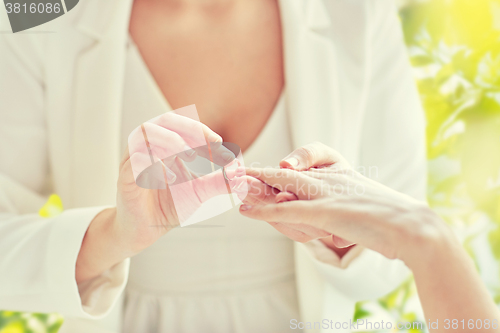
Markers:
<point>171,152</point>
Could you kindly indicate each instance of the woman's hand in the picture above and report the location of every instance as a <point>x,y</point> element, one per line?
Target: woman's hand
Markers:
<point>314,155</point>
<point>259,193</point>
<point>335,199</point>
<point>142,215</point>
<point>340,201</point>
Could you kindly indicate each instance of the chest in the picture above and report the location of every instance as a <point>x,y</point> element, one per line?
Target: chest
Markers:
<point>227,61</point>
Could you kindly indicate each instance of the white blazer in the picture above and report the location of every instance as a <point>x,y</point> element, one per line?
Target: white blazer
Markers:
<point>349,85</point>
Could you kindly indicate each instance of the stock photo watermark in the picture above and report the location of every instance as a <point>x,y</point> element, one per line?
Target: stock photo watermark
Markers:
<point>332,180</point>
<point>365,324</point>
<point>360,324</point>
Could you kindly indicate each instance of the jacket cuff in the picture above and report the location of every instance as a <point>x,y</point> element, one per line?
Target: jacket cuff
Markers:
<point>92,299</point>
<point>364,275</point>
<point>320,252</point>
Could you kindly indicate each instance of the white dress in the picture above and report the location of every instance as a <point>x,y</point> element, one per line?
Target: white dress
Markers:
<point>226,274</point>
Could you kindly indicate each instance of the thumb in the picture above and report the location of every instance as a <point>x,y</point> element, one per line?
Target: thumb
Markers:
<point>312,155</point>
<point>215,184</point>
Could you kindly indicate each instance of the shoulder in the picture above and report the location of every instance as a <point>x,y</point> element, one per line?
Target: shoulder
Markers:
<point>355,19</point>
<point>366,10</point>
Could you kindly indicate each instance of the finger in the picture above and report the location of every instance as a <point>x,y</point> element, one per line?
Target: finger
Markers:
<point>285,196</point>
<point>259,192</point>
<point>303,186</point>
<point>155,175</point>
<point>239,186</point>
<point>234,171</point>
<point>312,155</point>
<point>363,223</point>
<point>219,155</point>
<point>300,211</point>
<point>139,162</point>
<point>309,230</point>
<point>214,184</point>
<point>293,234</point>
<point>162,143</point>
<point>222,156</point>
<point>194,132</point>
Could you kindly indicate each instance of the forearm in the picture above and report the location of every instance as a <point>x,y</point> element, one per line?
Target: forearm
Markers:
<point>450,288</point>
<point>101,248</point>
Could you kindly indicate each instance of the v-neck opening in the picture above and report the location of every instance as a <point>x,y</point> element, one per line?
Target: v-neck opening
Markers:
<point>161,96</point>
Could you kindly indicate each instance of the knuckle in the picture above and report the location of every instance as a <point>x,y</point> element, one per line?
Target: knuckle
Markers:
<point>279,209</point>
<point>307,153</point>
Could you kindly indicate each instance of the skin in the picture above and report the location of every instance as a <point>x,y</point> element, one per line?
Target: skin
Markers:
<point>142,216</point>
<point>300,159</point>
<point>381,219</point>
<point>226,57</point>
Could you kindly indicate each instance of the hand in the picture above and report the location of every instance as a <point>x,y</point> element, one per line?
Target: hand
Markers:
<point>314,155</point>
<point>338,200</point>
<point>260,193</point>
<point>142,215</point>
<point>173,192</point>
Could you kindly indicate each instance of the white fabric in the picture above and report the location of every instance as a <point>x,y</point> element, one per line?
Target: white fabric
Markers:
<point>219,272</point>
<point>349,85</point>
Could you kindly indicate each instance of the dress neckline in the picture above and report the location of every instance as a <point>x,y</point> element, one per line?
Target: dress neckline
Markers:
<point>278,109</point>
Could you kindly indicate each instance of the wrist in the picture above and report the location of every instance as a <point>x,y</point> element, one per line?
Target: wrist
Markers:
<point>340,251</point>
<point>428,240</point>
<point>101,247</point>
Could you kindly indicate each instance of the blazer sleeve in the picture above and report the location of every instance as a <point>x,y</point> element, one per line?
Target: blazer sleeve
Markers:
<point>38,255</point>
<point>392,151</point>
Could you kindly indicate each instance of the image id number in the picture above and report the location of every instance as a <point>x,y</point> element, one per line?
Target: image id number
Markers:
<point>478,324</point>
<point>33,8</point>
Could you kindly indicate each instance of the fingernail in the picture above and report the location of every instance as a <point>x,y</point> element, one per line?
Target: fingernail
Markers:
<point>227,156</point>
<point>171,176</point>
<point>245,207</point>
<point>215,138</point>
<point>189,151</point>
<point>292,161</point>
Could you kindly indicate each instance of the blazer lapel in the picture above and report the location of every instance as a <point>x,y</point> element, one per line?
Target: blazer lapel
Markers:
<point>98,95</point>
<point>314,112</point>
<point>310,72</point>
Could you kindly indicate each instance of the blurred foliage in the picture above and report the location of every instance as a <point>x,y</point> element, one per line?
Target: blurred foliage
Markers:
<point>454,47</point>
<point>18,322</point>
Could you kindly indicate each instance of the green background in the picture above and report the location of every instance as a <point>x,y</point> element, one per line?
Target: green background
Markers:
<point>454,46</point>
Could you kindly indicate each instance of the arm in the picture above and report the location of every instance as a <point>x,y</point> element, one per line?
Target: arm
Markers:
<point>390,223</point>
<point>38,255</point>
<point>392,142</point>
<point>448,284</point>
<point>81,254</point>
